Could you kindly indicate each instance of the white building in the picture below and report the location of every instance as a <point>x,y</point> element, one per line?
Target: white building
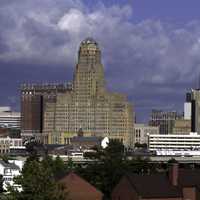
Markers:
<point>187,110</point>
<point>9,171</point>
<point>8,118</point>
<point>175,144</point>
<point>141,132</point>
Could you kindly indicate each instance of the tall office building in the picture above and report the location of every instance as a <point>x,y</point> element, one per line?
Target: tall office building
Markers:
<point>195,109</point>
<point>164,119</point>
<point>33,99</point>
<point>88,105</point>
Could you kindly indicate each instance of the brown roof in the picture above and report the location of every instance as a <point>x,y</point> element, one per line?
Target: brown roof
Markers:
<point>158,185</point>
<point>189,177</point>
<point>153,186</point>
<point>78,188</point>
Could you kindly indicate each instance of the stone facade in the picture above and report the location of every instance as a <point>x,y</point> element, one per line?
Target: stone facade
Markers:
<point>141,132</point>
<point>182,126</point>
<point>164,119</point>
<point>88,105</point>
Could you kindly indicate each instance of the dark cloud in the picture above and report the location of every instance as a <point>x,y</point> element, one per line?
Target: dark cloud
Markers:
<point>154,62</point>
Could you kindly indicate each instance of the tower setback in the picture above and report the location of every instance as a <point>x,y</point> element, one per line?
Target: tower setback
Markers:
<point>87,105</point>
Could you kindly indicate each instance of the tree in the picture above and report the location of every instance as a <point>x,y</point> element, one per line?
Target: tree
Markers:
<point>107,168</point>
<point>109,165</point>
<point>1,183</point>
<point>38,182</point>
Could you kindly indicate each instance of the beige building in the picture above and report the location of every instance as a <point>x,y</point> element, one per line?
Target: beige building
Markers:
<point>182,126</point>
<point>88,105</point>
<point>141,132</point>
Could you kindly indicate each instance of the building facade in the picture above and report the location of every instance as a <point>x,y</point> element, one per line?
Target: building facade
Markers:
<point>141,132</point>
<point>188,142</point>
<point>194,97</point>
<point>88,105</point>
<point>176,184</point>
<point>33,100</point>
<point>164,119</point>
<point>8,145</point>
<point>182,126</point>
<point>9,119</point>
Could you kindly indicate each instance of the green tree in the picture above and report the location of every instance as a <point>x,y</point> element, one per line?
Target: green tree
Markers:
<point>38,182</point>
<point>110,164</point>
<point>1,183</point>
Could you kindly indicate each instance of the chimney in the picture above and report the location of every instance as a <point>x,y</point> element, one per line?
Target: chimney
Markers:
<point>173,174</point>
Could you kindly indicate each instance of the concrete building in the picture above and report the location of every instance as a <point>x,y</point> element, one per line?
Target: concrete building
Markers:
<point>8,145</point>
<point>9,119</point>
<point>33,100</point>
<point>181,126</point>
<point>141,132</point>
<point>175,143</point>
<point>188,107</point>
<point>194,101</point>
<point>164,119</point>
<point>87,105</point>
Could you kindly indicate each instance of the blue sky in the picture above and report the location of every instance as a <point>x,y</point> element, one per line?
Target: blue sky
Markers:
<point>150,48</point>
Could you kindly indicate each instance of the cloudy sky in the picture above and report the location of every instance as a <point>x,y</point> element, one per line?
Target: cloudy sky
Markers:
<point>151,49</point>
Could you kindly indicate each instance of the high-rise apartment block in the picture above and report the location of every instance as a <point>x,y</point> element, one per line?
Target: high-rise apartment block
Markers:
<point>87,105</point>
<point>164,119</point>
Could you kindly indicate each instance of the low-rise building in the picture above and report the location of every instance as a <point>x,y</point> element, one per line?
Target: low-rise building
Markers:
<point>141,132</point>
<point>8,145</point>
<point>8,171</point>
<point>178,184</point>
<point>175,142</point>
<point>9,119</point>
<point>78,188</point>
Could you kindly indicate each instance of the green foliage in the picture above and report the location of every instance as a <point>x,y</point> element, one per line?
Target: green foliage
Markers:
<point>172,160</point>
<point>38,181</point>
<point>109,165</point>
<point>1,183</point>
<point>143,145</point>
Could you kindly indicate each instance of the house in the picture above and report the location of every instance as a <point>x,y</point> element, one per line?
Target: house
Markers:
<point>78,188</point>
<point>8,171</point>
<point>178,184</point>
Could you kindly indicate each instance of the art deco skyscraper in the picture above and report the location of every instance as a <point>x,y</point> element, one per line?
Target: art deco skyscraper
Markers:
<point>88,105</point>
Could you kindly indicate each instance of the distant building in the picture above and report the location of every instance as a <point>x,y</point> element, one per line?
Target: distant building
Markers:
<point>33,100</point>
<point>188,107</point>
<point>178,184</point>
<point>9,171</point>
<point>56,115</point>
<point>164,119</point>
<point>11,145</point>
<point>78,188</point>
<point>86,142</point>
<point>141,132</point>
<point>194,100</point>
<point>9,119</point>
<point>181,126</point>
<point>172,142</point>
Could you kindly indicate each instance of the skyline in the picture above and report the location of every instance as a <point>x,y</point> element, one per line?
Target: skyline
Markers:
<point>151,56</point>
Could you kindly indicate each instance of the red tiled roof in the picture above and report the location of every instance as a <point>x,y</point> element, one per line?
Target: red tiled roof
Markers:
<point>79,189</point>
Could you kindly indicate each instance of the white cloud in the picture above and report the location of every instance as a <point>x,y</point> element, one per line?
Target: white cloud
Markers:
<point>150,52</point>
